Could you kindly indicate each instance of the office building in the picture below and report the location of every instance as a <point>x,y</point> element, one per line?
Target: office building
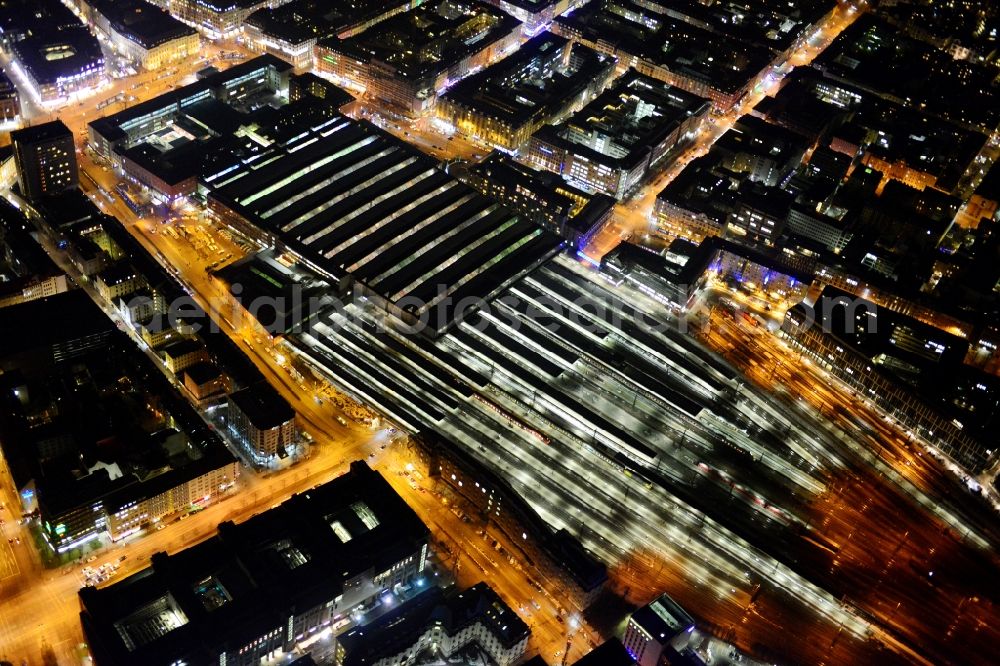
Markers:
<point>262,421</point>
<point>269,31</point>
<point>45,157</point>
<point>542,196</point>
<point>759,213</point>
<point>10,100</point>
<point>165,143</point>
<point>696,204</point>
<point>51,50</point>
<point>113,135</point>
<point>451,624</point>
<point>446,41</point>
<point>26,270</point>
<point>655,629</point>
<point>762,152</point>
<point>660,44</point>
<point>832,233</point>
<point>216,19</point>
<point>96,439</point>
<point>143,33</point>
<point>277,582</point>
<point>120,279</point>
<point>615,141</point>
<point>504,104</point>
<point>649,272</point>
<point>291,30</point>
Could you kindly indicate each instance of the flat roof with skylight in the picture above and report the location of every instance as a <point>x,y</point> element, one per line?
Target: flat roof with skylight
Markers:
<point>226,590</point>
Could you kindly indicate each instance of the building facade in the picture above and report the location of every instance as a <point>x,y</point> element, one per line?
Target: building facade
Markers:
<point>470,33</point>
<point>267,583</point>
<point>145,34</point>
<point>612,143</point>
<point>835,334</point>
<point>509,101</point>
<point>10,100</point>
<point>125,516</point>
<point>655,630</point>
<point>262,421</point>
<point>446,623</point>
<point>45,156</point>
<point>217,19</point>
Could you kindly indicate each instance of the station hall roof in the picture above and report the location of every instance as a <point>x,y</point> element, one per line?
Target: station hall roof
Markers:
<point>354,201</point>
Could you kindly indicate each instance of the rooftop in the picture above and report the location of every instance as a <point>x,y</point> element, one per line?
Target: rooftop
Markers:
<point>609,653</point>
<point>97,403</point>
<point>703,188</point>
<point>546,186</point>
<point>20,254</point>
<point>44,321</point>
<point>220,6</point>
<point>300,20</point>
<point>395,631</point>
<point>263,406</point>
<point>141,22</point>
<point>925,143</point>
<point>354,201</point>
<point>871,53</point>
<point>54,55</point>
<point>622,124</point>
<point>723,63</point>
<point>430,38</point>
<point>533,83</point>
<point>179,348</point>
<point>250,576</point>
<point>774,25</point>
<point>117,273</point>
<point>41,133</point>
<point>663,618</point>
<point>111,127</point>
<point>203,372</point>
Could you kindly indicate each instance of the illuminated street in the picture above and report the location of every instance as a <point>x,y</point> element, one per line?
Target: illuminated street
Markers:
<point>681,434</point>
